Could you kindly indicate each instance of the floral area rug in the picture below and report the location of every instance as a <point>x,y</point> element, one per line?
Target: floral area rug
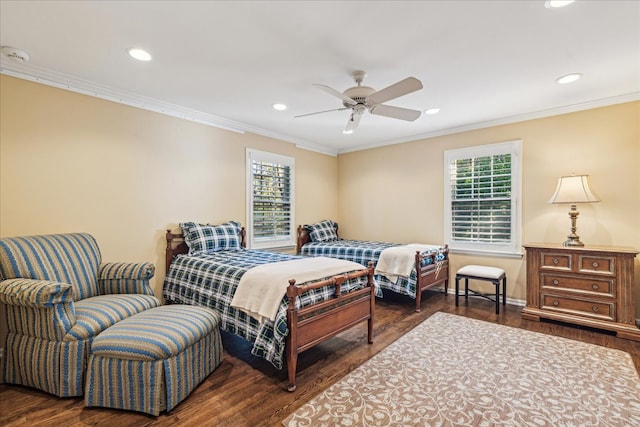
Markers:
<point>455,371</point>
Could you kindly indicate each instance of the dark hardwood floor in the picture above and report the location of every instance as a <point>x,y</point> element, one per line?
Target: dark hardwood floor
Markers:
<point>246,391</point>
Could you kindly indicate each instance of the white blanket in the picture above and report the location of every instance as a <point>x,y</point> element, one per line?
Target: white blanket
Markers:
<point>398,261</point>
<point>262,288</point>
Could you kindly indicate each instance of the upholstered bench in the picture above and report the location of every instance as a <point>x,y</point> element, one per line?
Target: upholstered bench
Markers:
<point>480,272</point>
<point>151,361</point>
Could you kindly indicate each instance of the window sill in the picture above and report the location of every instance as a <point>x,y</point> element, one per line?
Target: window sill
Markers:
<point>280,248</point>
<point>498,254</point>
<point>285,249</point>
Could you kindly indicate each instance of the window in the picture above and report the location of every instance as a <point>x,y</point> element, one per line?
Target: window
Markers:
<point>270,200</point>
<point>482,198</point>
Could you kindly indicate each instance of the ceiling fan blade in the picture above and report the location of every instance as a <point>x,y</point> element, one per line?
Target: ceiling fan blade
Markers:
<point>320,112</point>
<point>335,93</point>
<point>395,112</point>
<point>353,122</point>
<point>403,87</point>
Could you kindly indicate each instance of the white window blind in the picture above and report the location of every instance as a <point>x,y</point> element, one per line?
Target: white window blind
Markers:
<point>482,202</point>
<point>271,199</point>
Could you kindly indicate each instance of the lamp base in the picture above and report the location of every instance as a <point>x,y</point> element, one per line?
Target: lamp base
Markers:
<point>573,241</point>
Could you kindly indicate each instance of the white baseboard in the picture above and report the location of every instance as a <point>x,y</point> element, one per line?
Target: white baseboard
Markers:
<point>511,301</point>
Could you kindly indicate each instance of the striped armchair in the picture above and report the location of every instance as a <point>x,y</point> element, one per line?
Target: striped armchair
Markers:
<point>58,296</point>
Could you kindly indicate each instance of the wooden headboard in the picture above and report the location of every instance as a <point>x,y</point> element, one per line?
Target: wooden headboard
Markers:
<point>177,246</point>
<point>303,237</point>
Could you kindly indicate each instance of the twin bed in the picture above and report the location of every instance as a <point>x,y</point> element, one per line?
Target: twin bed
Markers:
<point>207,264</point>
<point>430,265</point>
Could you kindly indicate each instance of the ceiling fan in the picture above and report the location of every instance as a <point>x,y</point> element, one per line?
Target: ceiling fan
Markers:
<point>360,98</point>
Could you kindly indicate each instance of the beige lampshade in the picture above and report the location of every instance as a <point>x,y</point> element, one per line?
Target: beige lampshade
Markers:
<point>574,189</point>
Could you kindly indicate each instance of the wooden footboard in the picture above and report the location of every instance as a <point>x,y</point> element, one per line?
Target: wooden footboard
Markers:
<point>315,323</point>
<point>433,274</point>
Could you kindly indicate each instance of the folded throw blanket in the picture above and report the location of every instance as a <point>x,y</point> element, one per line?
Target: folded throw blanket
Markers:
<point>262,288</point>
<point>398,261</point>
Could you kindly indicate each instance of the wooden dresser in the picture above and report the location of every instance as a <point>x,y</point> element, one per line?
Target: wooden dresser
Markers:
<point>590,286</point>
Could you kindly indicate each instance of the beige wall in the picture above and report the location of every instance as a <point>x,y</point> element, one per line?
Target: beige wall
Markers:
<point>70,162</point>
<point>395,193</point>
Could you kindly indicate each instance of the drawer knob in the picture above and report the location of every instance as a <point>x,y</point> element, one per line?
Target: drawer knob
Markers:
<point>555,261</point>
<point>595,265</point>
<point>595,308</point>
<point>556,302</point>
<point>595,286</point>
<point>556,282</point>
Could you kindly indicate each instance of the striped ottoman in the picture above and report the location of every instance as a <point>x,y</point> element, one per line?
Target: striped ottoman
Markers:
<point>151,361</point>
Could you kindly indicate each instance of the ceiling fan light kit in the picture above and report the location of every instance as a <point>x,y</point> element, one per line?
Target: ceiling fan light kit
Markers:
<point>358,93</point>
<point>360,99</point>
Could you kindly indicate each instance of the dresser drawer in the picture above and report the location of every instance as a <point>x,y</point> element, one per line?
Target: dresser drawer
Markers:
<point>584,285</point>
<point>555,261</point>
<point>596,264</point>
<point>593,309</point>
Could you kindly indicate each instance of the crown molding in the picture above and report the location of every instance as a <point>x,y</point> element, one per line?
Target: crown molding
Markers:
<point>77,85</point>
<point>74,84</point>
<point>603,102</point>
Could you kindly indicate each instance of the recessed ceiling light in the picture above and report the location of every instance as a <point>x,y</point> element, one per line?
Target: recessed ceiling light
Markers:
<point>139,54</point>
<point>552,4</point>
<point>568,78</point>
<point>347,132</point>
<point>279,107</point>
<point>432,111</point>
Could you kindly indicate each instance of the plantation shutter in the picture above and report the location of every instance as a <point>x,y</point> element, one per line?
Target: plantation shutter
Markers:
<point>481,199</point>
<point>271,199</point>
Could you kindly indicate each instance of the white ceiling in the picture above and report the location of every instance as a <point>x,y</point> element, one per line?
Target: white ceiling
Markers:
<point>225,63</point>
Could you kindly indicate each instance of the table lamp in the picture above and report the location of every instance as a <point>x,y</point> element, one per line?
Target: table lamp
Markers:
<point>573,189</point>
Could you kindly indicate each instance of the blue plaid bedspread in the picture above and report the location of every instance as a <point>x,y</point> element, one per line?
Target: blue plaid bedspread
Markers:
<point>211,280</point>
<point>363,251</point>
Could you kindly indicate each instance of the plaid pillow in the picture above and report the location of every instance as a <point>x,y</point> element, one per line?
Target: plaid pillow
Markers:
<point>205,239</point>
<point>323,231</point>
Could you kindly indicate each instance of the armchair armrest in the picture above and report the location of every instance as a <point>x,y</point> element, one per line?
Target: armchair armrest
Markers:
<point>38,308</point>
<point>35,293</point>
<point>125,278</point>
